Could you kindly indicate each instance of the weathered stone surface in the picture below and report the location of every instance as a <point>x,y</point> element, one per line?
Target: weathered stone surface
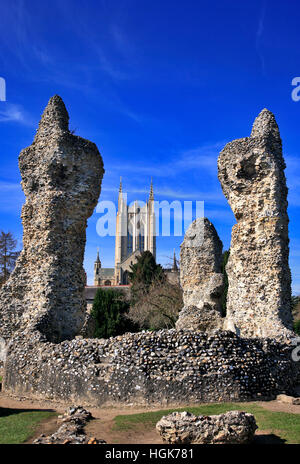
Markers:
<point>71,430</point>
<point>61,178</point>
<point>164,367</point>
<point>44,300</point>
<point>201,278</point>
<point>251,172</point>
<point>288,399</point>
<point>233,427</point>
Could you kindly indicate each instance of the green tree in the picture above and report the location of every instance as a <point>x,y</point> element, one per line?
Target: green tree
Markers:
<point>110,310</point>
<point>225,258</point>
<point>143,273</point>
<point>8,255</point>
<point>296,313</point>
<point>296,326</point>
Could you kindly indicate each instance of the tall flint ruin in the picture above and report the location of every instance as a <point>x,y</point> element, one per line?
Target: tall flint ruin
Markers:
<point>251,172</point>
<point>61,178</point>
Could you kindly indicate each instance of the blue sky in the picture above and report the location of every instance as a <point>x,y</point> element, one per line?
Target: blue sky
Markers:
<point>160,87</point>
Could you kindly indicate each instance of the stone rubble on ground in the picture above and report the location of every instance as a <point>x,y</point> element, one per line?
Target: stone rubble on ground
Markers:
<point>71,430</point>
<point>233,427</point>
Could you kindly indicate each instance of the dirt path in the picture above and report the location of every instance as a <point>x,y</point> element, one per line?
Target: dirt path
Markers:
<point>276,406</point>
<point>46,426</point>
<point>102,426</point>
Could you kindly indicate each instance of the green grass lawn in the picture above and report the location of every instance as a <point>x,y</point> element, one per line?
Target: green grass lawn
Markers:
<point>284,425</point>
<point>18,425</point>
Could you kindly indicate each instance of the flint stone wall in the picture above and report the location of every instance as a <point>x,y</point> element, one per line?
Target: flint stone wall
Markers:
<point>163,367</point>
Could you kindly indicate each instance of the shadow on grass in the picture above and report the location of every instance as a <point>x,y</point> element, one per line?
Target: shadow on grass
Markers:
<point>268,439</point>
<point>5,412</point>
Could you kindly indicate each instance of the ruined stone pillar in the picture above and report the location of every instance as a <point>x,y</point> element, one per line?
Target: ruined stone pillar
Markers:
<point>201,278</point>
<point>251,172</point>
<point>61,178</point>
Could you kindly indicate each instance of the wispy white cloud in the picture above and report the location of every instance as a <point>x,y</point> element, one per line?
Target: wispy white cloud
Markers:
<point>203,157</point>
<point>42,55</point>
<point>125,46</point>
<point>10,112</point>
<point>171,194</point>
<point>189,195</point>
<point>109,56</point>
<point>109,68</point>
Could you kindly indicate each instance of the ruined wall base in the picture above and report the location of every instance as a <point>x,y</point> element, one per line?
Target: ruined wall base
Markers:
<point>152,368</point>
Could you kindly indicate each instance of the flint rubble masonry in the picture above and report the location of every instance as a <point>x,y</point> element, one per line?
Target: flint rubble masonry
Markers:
<point>42,306</point>
<point>201,278</point>
<point>61,178</point>
<point>251,172</point>
<point>233,427</point>
<point>159,368</point>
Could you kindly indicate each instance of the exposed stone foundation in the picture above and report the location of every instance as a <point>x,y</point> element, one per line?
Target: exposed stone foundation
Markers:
<point>163,367</point>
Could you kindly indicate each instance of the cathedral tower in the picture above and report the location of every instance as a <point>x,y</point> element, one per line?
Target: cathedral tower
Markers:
<point>135,233</point>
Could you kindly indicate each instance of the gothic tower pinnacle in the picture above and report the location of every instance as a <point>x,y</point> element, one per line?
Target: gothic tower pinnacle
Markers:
<point>151,195</point>
<point>97,268</point>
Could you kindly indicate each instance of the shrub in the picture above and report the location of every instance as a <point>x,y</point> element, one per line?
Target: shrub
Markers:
<point>297,327</point>
<point>110,310</point>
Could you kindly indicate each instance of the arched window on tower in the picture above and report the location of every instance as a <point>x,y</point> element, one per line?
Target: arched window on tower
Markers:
<point>125,280</point>
<point>129,239</point>
<point>142,238</point>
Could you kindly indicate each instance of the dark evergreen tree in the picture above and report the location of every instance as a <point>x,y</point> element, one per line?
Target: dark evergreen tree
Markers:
<point>143,273</point>
<point>109,311</point>
<point>297,327</point>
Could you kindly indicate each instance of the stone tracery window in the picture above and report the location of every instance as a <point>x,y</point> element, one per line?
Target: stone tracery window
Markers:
<point>142,238</point>
<point>129,239</point>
